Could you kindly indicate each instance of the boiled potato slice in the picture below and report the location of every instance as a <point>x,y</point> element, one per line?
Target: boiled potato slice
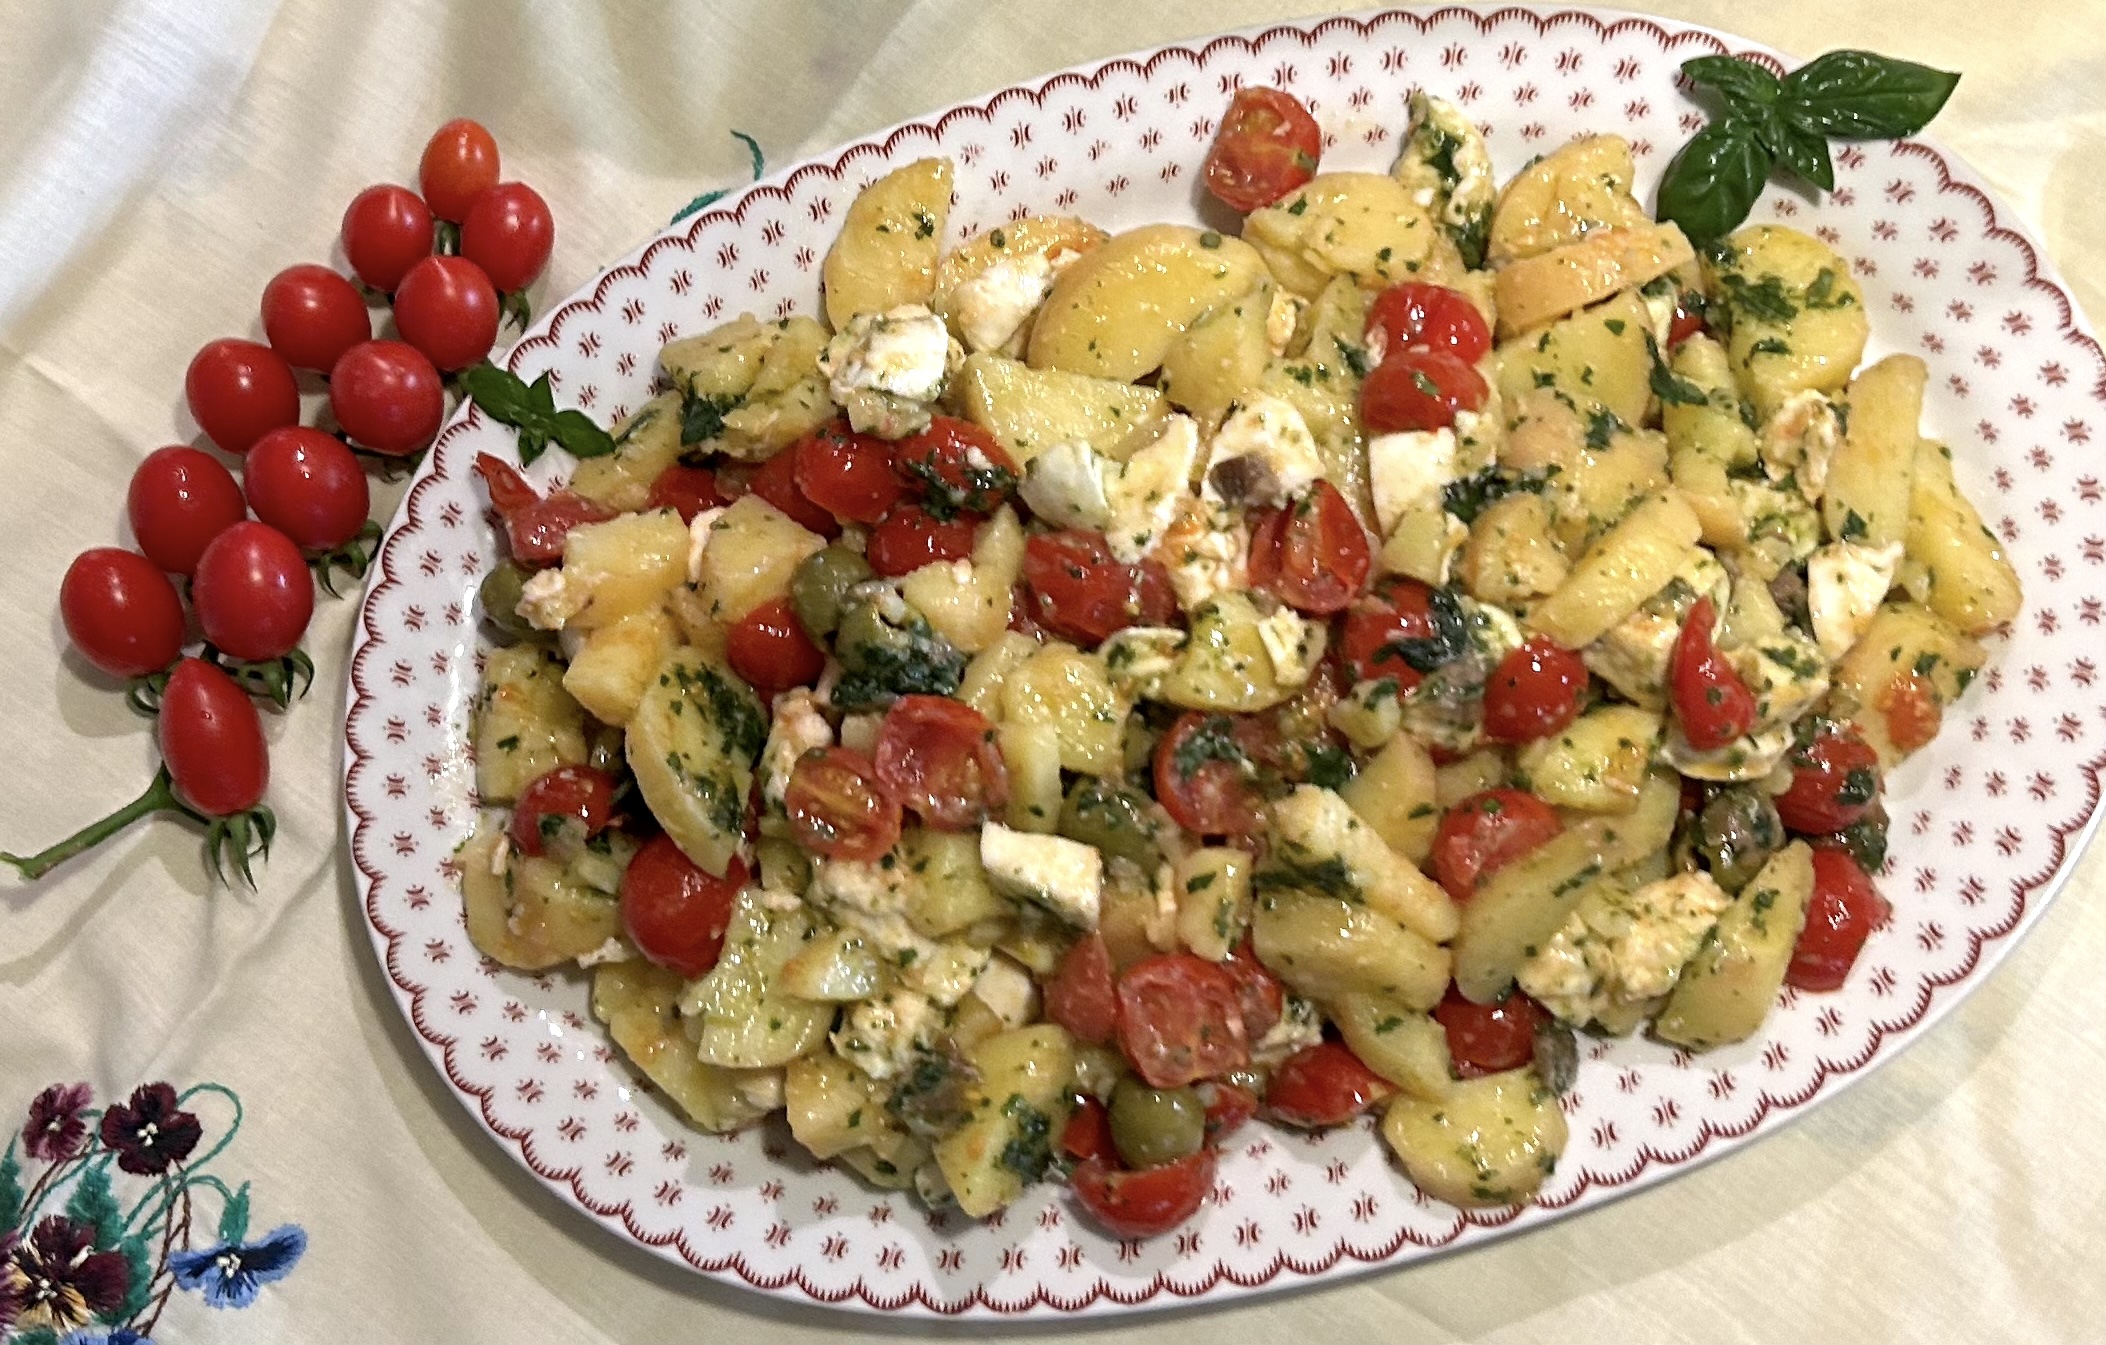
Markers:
<point>1579,188</point>
<point>692,743</point>
<point>1967,578</point>
<point>739,1015</point>
<point>526,724</point>
<point>833,1106</point>
<point>1212,887</point>
<point>747,388</point>
<point>1394,794</point>
<point>1490,1141</point>
<point>1325,947</point>
<point>752,551</point>
<point>890,241</point>
<point>1067,690</point>
<point>1534,290</point>
<point>1797,315</point>
<point>1871,474</point>
<point>1597,763</point>
<point>528,913</point>
<point>1365,226</point>
<point>1597,358</point>
<point>1014,1115</point>
<point>1906,650</point>
<point>1511,555</point>
<point>1220,356</point>
<point>969,606</point>
<point>1030,410</point>
<point>623,566</point>
<point>1225,664</point>
<point>1031,751</point>
<point>952,895</point>
<point>1631,563</point>
<point>612,667</point>
<point>1402,1044</point>
<point>637,1001</point>
<point>1726,990</point>
<point>645,444</point>
<point>1117,311</point>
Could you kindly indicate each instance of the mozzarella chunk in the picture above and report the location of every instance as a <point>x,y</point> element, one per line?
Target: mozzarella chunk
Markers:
<point>1633,655</point>
<point>698,535</point>
<point>1786,674</point>
<point>1446,163</point>
<point>1065,485</point>
<point>1845,584</point>
<point>994,306</point>
<point>798,728</point>
<point>882,1036</point>
<point>547,600</point>
<point>1008,991</point>
<point>872,899</point>
<point>1065,877</point>
<point>1754,757</point>
<point>1293,645</point>
<point>1782,527</point>
<point>1273,433</point>
<point>1282,315</point>
<point>1300,1027</point>
<point>1661,303</point>
<point>1148,496</point>
<point>1408,471</point>
<point>1620,951</point>
<point>1206,552</point>
<point>1798,441</point>
<point>886,368</point>
<point>1140,657</point>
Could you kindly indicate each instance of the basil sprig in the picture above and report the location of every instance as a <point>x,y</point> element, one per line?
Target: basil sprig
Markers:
<point>531,409</point>
<point>1770,122</point>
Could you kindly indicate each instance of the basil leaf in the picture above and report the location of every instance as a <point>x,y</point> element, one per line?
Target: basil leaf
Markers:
<point>501,395</point>
<point>1744,84</point>
<point>580,435</point>
<point>530,408</point>
<point>1802,151</point>
<point>1861,93</point>
<point>1714,182</point>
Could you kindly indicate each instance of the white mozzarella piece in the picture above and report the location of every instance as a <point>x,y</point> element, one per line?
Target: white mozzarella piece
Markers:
<point>798,727</point>
<point>1407,471</point>
<point>993,307</point>
<point>548,600</point>
<point>699,532</point>
<point>1065,486</point>
<point>1063,876</point>
<point>1272,431</point>
<point>1799,439</point>
<point>1151,492</point>
<point>1626,950</point>
<point>1845,584</point>
<point>883,1035</point>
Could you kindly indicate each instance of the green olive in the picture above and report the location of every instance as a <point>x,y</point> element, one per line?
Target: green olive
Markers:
<point>819,588</point>
<point>500,594</point>
<point>1114,819</point>
<point>1153,1126</point>
<point>1737,833</point>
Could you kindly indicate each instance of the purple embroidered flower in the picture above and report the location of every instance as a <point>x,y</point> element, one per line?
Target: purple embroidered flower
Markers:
<point>229,1275</point>
<point>120,1335</point>
<point>55,1127</point>
<point>59,1281</point>
<point>149,1132</point>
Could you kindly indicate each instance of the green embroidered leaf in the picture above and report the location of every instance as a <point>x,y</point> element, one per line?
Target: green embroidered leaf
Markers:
<point>139,1294</point>
<point>92,1205</point>
<point>36,1335</point>
<point>11,1195</point>
<point>234,1219</point>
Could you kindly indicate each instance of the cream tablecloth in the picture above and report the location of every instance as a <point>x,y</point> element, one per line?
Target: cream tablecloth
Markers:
<point>159,161</point>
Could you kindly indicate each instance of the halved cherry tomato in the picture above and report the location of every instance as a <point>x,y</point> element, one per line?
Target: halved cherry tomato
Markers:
<point>1080,591</point>
<point>387,230</point>
<point>776,482</point>
<point>1088,1132</point>
<point>1398,609</point>
<point>1324,1085</point>
<point>460,163</point>
<point>1689,320</point>
<point>769,648</point>
<point>956,467</point>
<point>1202,775</point>
<point>1909,705</point>
<point>534,526</point>
<point>910,537</point>
<point>938,757</point>
<point>253,592</point>
<point>1145,1203</point>
<point>388,396</point>
<point>1712,704</point>
<point>1835,779</point>
<point>1845,909</point>
<point>1228,1107</point>
<point>1432,316</point>
<point>121,612</point>
<point>1263,998</point>
<point>1534,692</point>
<point>1181,1019</point>
<point>1419,390</point>
<point>509,233</point>
<point>577,798</point>
<point>179,500</point>
<point>676,912</point>
<point>839,807</point>
<point>1489,1038</point>
<point>212,740</point>
<point>1081,997</point>
<point>307,485</point>
<point>1311,554</point>
<point>849,475</point>
<point>1485,832</point>
<point>312,315</point>
<point>238,391</point>
<point>687,490</point>
<point>1267,146</point>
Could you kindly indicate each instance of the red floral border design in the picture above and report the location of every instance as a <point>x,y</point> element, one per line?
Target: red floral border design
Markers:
<point>1710,1142</point>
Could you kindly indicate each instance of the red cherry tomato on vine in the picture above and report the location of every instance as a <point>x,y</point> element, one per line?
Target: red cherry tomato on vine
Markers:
<point>1713,705</point>
<point>1324,1085</point>
<point>180,499</point>
<point>387,230</point>
<point>839,807</point>
<point>307,485</point>
<point>1081,996</point>
<point>121,612</point>
<point>447,308</point>
<point>253,593</point>
<point>237,390</point>
<point>1312,554</point>
<point>686,490</point>
<point>1485,832</point>
<point>776,482</point>
<point>1398,609</point>
<point>1181,1019</point>
<point>1845,909</point>
<point>768,647</point>
<point>1489,1038</point>
<point>577,797</point>
<point>938,757</point>
<point>910,537</point>
<point>1419,390</point>
<point>1080,591</point>
<point>1146,1203</point>
<point>460,163</point>
<point>1433,316</point>
<point>847,474</point>
<point>534,526</point>
<point>387,396</point>
<point>1200,775</point>
<point>1835,779</point>
<point>509,233</point>
<point>676,912</point>
<point>312,315</point>
<point>1534,692</point>
<point>1267,146</point>
<point>212,740</point>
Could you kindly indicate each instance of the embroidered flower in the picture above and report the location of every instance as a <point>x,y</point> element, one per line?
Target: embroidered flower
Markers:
<point>59,1281</point>
<point>122,1335</point>
<point>55,1127</point>
<point>229,1275</point>
<point>149,1132</point>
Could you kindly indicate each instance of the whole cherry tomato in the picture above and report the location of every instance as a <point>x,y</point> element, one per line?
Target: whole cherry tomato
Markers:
<point>1311,554</point>
<point>956,467</point>
<point>847,474</point>
<point>776,482</point>
<point>938,757</point>
<point>212,740</point>
<point>910,537</point>
<point>387,396</point>
<point>387,230</point>
<point>1845,909</point>
<point>1267,146</point>
<point>121,612</point>
<point>1484,833</point>
<point>509,233</point>
<point>1400,609</point>
<point>1419,389</point>
<point>1689,319</point>
<point>768,647</point>
<point>312,315</point>
<point>1181,1019</point>
<point>1081,996</point>
<point>180,499</point>
<point>1080,591</point>
<point>839,807</point>
<point>253,593</point>
<point>676,912</point>
<point>1835,781</point>
<point>1534,692</point>
<point>307,485</point>
<point>238,390</point>
<point>1712,704</point>
<point>1204,776</point>
<point>534,526</point>
<point>687,490</point>
<point>447,308</point>
<point>1146,1203</point>
<point>459,164</point>
<point>573,800</point>
<point>1431,316</point>
<point>1489,1038</point>
<point>1324,1085</point>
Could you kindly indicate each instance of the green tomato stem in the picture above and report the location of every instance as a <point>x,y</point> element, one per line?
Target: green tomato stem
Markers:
<point>159,797</point>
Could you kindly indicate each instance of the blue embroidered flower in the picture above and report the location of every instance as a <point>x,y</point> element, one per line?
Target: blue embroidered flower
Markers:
<point>230,1274</point>
<point>115,1336</point>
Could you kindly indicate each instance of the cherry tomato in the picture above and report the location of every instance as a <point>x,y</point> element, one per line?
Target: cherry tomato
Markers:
<point>938,757</point>
<point>1324,1085</point>
<point>776,482</point>
<point>956,467</point>
<point>1228,1107</point>
<point>768,647</point>
<point>1088,1132</point>
<point>387,230</point>
<point>1835,780</point>
<point>1202,777</point>
<point>237,390</point>
<point>459,164</point>
<point>676,912</point>
<point>1713,705</point>
<point>688,490</point>
<point>1267,146</point>
<point>387,396</point>
<point>849,475</point>
<point>911,537</point>
<point>1312,554</point>
<point>212,740</point>
<point>312,315</point>
<point>1430,316</point>
<point>839,807</point>
<point>1264,999</point>
<point>534,527</point>
<point>179,500</point>
<point>1845,909</point>
<point>307,485</point>
<point>1419,390</point>
<point>509,233</point>
<point>1181,1019</point>
<point>574,798</point>
<point>1399,609</point>
<point>253,593</point>
<point>1080,591</point>
<point>1484,833</point>
<point>446,307</point>
<point>1689,320</point>
<point>1909,706</point>
<point>1489,1038</point>
<point>1534,692</point>
<point>121,612</point>
<point>1145,1203</point>
<point>1081,997</point>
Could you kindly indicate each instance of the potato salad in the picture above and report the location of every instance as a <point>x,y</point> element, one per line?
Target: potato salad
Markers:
<point>1080,691</point>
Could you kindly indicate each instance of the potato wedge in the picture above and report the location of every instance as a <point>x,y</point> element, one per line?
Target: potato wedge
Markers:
<point>890,242</point>
<point>1116,312</point>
